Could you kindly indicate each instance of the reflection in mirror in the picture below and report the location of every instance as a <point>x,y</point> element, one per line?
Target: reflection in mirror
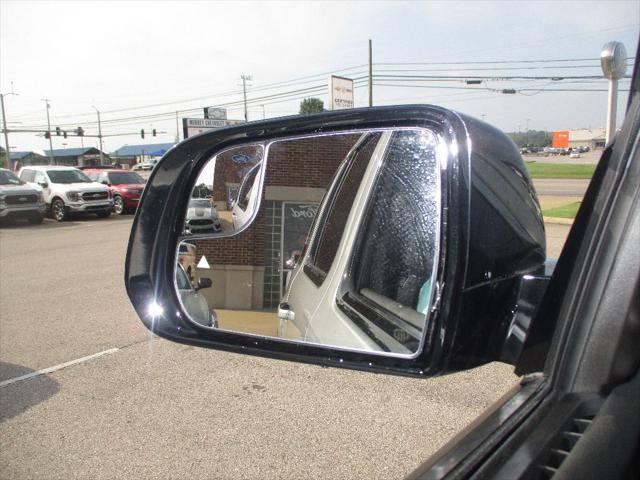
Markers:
<point>329,239</point>
<point>223,199</point>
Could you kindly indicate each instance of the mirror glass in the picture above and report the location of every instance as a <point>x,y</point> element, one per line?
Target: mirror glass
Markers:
<point>329,239</point>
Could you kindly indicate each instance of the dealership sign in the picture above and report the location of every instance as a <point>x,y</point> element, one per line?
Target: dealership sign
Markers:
<point>194,126</point>
<point>340,93</point>
<point>215,113</point>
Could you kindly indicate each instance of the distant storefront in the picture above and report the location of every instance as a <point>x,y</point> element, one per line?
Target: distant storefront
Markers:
<point>78,157</point>
<point>130,155</point>
<point>582,137</point>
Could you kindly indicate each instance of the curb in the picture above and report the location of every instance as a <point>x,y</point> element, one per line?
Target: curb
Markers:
<point>558,220</point>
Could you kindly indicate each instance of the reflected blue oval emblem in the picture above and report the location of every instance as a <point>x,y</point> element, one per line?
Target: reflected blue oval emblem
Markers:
<point>241,158</point>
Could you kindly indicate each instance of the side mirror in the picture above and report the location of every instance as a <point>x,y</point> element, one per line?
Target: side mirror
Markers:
<point>204,283</point>
<point>43,184</point>
<point>394,239</point>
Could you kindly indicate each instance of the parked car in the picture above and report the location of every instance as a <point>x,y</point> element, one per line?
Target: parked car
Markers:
<point>67,190</point>
<point>192,299</point>
<point>574,154</point>
<point>202,217</point>
<point>149,165</point>
<point>126,187</point>
<point>19,200</point>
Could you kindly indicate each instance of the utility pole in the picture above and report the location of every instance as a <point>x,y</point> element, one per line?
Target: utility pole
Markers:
<point>99,134</point>
<point>46,101</point>
<point>370,75</point>
<point>4,127</point>
<point>244,92</point>
<point>177,129</point>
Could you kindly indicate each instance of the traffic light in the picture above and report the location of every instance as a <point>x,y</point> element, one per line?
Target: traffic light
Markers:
<point>47,134</point>
<point>154,132</point>
<point>142,133</point>
<point>80,132</point>
<point>58,131</point>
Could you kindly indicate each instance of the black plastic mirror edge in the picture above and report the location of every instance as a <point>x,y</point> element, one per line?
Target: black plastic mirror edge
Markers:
<point>157,226</point>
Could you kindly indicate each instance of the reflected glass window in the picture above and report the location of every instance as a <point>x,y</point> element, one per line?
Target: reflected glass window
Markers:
<point>396,260</point>
<point>336,215</point>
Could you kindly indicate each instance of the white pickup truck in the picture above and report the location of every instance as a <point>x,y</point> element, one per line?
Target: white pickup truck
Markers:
<point>68,190</point>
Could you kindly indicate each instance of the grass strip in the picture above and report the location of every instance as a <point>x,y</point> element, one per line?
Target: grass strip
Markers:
<point>565,211</point>
<point>560,170</point>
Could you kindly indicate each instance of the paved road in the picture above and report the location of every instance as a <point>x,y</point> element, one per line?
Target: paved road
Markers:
<point>560,187</point>
<point>153,409</point>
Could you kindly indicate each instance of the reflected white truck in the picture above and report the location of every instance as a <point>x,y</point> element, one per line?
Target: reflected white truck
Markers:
<point>311,308</point>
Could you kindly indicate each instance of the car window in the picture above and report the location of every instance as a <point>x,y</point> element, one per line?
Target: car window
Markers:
<point>245,190</point>
<point>27,175</point>
<point>396,259</point>
<point>199,203</point>
<point>335,217</point>
<point>40,177</point>
<point>67,176</point>
<point>93,176</point>
<point>9,178</point>
<point>181,279</point>
<point>123,178</point>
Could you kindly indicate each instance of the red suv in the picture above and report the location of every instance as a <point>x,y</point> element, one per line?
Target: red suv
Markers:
<point>126,187</point>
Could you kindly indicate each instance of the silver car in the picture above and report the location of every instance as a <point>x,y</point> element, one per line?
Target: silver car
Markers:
<point>202,217</point>
<point>19,200</point>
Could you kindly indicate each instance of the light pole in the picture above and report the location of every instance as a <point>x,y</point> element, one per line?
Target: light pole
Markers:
<point>46,101</point>
<point>4,127</point>
<point>99,134</point>
<point>370,74</point>
<point>244,92</point>
<point>613,60</point>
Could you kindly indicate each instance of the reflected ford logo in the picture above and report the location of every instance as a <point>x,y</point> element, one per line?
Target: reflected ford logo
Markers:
<point>22,199</point>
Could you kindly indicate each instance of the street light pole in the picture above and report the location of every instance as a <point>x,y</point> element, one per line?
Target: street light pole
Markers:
<point>99,135</point>
<point>46,101</point>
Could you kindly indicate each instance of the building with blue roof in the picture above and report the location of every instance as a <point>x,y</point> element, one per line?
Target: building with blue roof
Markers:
<point>78,157</point>
<point>131,155</point>
<point>20,159</point>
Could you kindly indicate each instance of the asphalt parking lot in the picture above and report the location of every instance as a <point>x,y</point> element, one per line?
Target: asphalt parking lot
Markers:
<point>135,406</point>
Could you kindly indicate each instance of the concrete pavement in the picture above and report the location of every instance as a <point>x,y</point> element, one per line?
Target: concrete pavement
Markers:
<point>154,409</point>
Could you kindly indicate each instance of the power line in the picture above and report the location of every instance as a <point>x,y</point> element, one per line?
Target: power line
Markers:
<point>488,62</point>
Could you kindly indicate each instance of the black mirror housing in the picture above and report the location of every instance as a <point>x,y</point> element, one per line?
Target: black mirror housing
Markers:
<point>492,236</point>
<point>204,283</point>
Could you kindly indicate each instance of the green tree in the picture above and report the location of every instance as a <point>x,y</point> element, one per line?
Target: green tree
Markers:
<point>311,105</point>
<point>531,138</point>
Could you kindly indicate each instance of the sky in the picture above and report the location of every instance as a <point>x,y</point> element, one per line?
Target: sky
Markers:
<point>140,62</point>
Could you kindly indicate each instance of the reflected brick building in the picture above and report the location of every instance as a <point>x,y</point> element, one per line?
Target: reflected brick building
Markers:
<point>247,268</point>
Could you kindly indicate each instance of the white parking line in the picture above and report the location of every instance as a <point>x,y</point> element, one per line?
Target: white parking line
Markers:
<point>57,367</point>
